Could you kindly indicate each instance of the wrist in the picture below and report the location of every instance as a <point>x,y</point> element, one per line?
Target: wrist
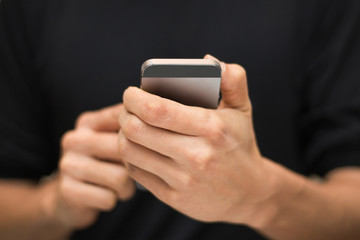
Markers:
<point>282,188</point>
<point>47,207</point>
<point>276,188</point>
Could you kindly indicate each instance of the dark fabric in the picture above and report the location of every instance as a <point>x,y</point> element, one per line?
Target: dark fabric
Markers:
<point>59,58</point>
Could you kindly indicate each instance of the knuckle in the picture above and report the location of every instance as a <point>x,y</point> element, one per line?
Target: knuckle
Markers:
<point>216,130</point>
<point>190,155</point>
<point>84,118</point>
<point>75,139</point>
<point>124,187</point>
<point>202,159</point>
<point>67,139</point>
<point>65,164</point>
<point>120,178</point>
<point>89,218</point>
<point>128,194</point>
<point>186,180</point>
<point>157,111</point>
<point>108,201</point>
<point>172,197</point>
<point>133,127</point>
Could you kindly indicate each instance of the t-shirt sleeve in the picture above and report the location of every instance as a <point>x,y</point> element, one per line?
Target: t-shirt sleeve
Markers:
<point>25,141</point>
<point>330,118</point>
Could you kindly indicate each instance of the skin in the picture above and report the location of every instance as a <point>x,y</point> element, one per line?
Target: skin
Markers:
<point>91,179</point>
<point>88,152</point>
<point>175,171</point>
<point>211,156</point>
<point>204,163</point>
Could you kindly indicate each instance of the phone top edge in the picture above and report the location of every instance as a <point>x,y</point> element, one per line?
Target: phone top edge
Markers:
<point>169,66</point>
<point>179,61</point>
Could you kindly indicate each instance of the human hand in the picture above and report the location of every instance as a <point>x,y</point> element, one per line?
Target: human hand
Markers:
<point>92,176</point>
<point>204,163</point>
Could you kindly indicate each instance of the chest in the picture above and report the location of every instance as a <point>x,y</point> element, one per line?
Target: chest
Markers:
<point>91,51</point>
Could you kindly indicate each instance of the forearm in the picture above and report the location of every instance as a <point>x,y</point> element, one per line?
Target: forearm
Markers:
<point>304,209</point>
<point>24,212</point>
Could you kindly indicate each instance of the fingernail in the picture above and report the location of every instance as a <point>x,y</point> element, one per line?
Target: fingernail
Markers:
<point>208,56</point>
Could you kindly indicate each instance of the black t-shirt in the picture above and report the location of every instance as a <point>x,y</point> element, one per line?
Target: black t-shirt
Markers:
<point>59,58</point>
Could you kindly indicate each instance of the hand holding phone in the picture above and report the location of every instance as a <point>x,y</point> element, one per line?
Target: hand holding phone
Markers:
<point>193,82</point>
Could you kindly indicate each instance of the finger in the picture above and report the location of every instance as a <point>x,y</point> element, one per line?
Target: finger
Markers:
<point>234,89</point>
<point>164,113</point>
<point>105,119</point>
<point>148,180</point>
<point>102,145</point>
<point>170,144</point>
<point>109,175</point>
<point>151,161</point>
<point>86,195</point>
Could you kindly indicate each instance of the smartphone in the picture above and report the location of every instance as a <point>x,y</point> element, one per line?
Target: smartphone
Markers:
<point>193,82</point>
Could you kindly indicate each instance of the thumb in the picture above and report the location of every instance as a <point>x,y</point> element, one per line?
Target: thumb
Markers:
<point>234,89</point>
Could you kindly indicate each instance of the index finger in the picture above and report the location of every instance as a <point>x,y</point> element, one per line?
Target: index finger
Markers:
<point>165,113</point>
<point>105,119</point>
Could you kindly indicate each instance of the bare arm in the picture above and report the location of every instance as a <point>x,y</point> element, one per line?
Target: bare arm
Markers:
<point>304,209</point>
<point>23,208</point>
